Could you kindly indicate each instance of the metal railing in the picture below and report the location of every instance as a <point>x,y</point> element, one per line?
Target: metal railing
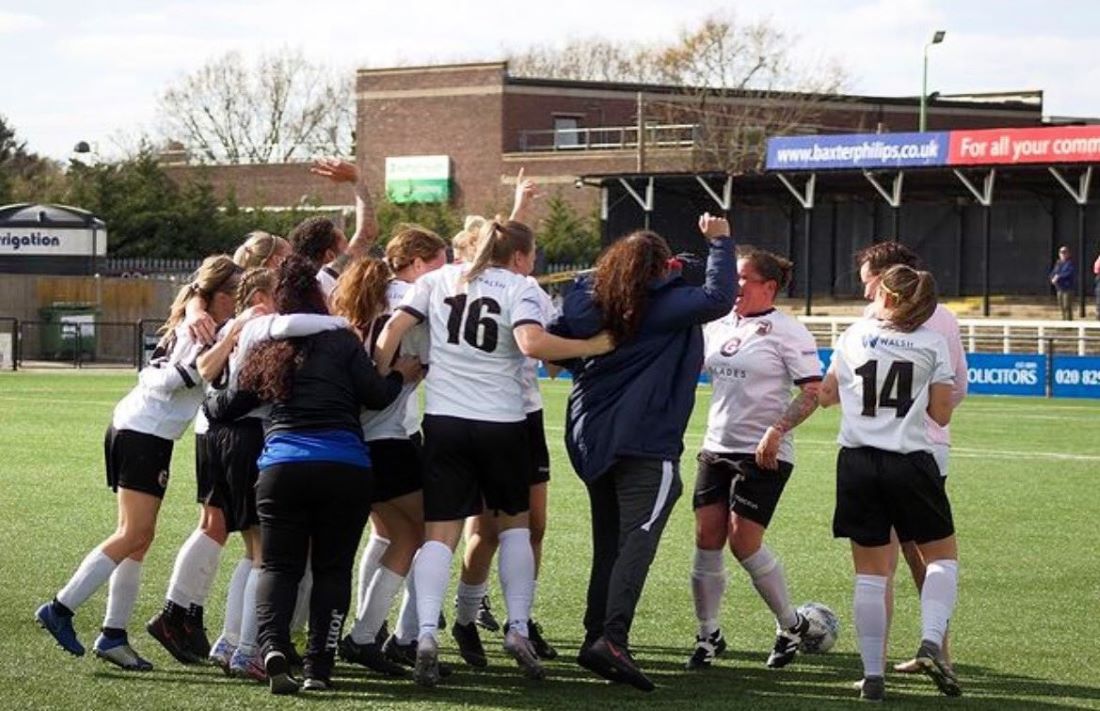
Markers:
<point>78,345</point>
<point>607,138</point>
<point>988,335</point>
<point>139,267</point>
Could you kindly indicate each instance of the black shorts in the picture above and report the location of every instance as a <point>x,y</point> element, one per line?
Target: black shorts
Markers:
<point>234,449</point>
<point>470,465</point>
<point>736,480</point>
<point>137,461</point>
<point>205,468</point>
<point>398,468</point>
<point>540,453</point>
<point>878,490</point>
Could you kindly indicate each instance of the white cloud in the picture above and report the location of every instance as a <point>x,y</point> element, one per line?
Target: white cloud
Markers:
<point>11,22</point>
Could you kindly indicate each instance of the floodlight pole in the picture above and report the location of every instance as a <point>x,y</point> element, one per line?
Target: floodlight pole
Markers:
<point>923,120</point>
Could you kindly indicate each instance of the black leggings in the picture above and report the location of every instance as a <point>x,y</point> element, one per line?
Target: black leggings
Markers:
<point>325,504</point>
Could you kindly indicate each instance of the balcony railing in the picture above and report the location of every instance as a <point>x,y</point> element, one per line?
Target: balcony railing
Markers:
<point>607,138</point>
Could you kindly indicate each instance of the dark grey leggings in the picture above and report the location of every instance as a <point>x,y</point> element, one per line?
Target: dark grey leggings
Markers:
<point>630,504</point>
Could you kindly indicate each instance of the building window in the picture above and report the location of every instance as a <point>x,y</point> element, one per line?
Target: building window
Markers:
<point>567,132</point>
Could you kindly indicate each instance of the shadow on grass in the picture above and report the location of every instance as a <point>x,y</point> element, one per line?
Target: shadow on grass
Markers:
<point>739,678</point>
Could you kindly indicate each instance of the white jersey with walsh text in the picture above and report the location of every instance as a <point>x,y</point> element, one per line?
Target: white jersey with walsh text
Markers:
<point>532,397</point>
<point>168,394</point>
<point>402,417</point>
<point>476,368</point>
<point>884,376</point>
<point>754,363</point>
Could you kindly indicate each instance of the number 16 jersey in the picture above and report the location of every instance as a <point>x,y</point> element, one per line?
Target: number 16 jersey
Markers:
<point>476,370</point>
<point>884,376</point>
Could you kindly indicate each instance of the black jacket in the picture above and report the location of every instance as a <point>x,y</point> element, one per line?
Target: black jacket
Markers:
<point>335,381</point>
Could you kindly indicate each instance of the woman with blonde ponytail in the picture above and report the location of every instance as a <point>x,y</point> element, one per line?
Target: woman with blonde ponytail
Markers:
<point>138,449</point>
<point>484,322</point>
<point>887,372</point>
<point>262,249</point>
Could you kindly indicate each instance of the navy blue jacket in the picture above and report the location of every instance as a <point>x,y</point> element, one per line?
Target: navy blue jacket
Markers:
<point>636,400</point>
<point>1064,275</point>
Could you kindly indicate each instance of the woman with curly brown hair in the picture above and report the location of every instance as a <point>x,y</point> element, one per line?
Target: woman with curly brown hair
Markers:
<point>627,414</point>
<point>315,473</point>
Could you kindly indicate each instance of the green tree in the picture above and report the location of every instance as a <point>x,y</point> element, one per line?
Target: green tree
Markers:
<point>24,176</point>
<point>566,237</point>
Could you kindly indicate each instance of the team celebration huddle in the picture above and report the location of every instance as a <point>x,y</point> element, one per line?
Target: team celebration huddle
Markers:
<point>333,383</point>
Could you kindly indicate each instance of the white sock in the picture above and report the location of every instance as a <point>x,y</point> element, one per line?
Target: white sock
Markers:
<point>534,595</point>
<point>407,628</point>
<point>432,571</point>
<point>516,563</point>
<point>368,565</point>
<point>380,594</point>
<point>301,605</point>
<point>122,594</point>
<point>94,570</point>
<point>937,599</point>
<point>767,577</point>
<point>708,582</point>
<point>869,607</point>
<point>234,602</point>
<point>249,623</point>
<point>194,569</point>
<point>468,601</point>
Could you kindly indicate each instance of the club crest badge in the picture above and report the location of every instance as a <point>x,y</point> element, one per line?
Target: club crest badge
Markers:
<point>730,347</point>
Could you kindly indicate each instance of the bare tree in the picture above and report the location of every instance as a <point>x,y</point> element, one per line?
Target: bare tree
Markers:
<point>282,108</point>
<point>736,84</point>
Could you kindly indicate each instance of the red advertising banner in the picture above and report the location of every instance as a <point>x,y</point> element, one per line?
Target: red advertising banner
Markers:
<point>1017,146</point>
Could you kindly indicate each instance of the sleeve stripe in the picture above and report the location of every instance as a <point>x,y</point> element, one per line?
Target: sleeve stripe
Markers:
<point>527,322</point>
<point>412,312</point>
<point>187,379</point>
<point>810,379</point>
<point>330,271</point>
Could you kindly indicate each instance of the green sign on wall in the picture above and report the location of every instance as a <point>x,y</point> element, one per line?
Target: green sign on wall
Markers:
<point>418,179</point>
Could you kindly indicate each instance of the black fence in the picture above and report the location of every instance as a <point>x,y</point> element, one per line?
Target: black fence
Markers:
<point>82,344</point>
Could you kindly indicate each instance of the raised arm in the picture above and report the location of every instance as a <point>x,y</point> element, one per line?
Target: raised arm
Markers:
<point>712,300</point>
<point>526,194</point>
<point>366,222</point>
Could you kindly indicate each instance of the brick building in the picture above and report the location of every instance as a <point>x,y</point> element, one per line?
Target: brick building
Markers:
<point>487,124</point>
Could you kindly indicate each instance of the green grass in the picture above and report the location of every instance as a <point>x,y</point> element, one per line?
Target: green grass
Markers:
<point>1023,484</point>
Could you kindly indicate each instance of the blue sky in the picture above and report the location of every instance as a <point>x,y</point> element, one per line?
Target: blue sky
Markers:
<point>92,70</point>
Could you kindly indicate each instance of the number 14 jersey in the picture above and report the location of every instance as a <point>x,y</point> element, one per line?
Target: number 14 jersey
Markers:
<point>884,376</point>
<point>476,368</point>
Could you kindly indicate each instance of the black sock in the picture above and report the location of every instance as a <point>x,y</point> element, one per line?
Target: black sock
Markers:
<point>194,613</point>
<point>113,633</point>
<point>61,609</point>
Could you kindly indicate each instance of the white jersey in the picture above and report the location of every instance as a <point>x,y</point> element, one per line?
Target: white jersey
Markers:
<point>754,363</point>
<point>326,279</point>
<point>532,397</point>
<point>884,376</point>
<point>943,322</point>
<point>476,367</point>
<point>168,394</point>
<point>402,417</point>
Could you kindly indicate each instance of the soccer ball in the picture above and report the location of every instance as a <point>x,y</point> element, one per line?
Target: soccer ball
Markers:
<point>824,628</point>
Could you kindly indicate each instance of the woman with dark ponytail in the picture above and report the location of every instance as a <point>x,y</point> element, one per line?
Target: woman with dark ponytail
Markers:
<point>627,414</point>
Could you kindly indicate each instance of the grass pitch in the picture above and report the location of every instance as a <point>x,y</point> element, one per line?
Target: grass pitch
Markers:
<point>1023,484</point>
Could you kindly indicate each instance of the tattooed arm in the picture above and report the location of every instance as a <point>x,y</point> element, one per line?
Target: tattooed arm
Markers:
<point>801,407</point>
